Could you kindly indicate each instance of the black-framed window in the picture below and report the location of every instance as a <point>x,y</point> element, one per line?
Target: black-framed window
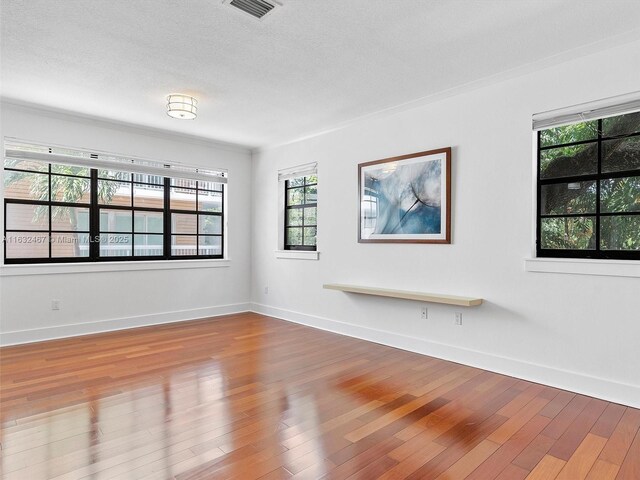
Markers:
<point>301,213</point>
<point>588,192</point>
<point>60,213</point>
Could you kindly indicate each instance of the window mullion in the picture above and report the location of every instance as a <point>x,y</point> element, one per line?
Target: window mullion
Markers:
<point>598,182</point>
<point>94,218</point>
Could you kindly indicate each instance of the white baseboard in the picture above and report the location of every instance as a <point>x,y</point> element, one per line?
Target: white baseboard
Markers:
<point>74,330</point>
<point>612,391</point>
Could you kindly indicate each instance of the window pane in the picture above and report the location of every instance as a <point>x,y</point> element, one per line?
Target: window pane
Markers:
<point>149,196</point>
<point>311,179</point>
<point>294,236</point>
<point>294,217</point>
<point>184,245</point>
<point>210,186</point>
<point>184,223</point>
<point>69,170</point>
<point>295,182</point>
<point>209,245</point>
<point>183,182</point>
<point>620,232</point>
<point>69,245</point>
<point>621,155</point>
<point>620,195</point>
<point>311,194</point>
<point>209,201</point>
<point>310,216</point>
<point>26,186</point>
<point>569,134</point>
<point>182,199</point>
<point>310,236</point>
<point>575,197</point>
<point>146,178</point>
<point>26,164</point>
<point>295,196</point>
<point>115,245</point>
<point>569,161</point>
<point>573,233</point>
<point>115,220</point>
<point>113,175</point>
<point>148,222</point>
<point>147,245</point>
<point>621,125</point>
<point>114,193</point>
<point>27,217</point>
<point>70,218</point>
<point>210,224</point>
<point>27,245</point>
<point>70,189</point>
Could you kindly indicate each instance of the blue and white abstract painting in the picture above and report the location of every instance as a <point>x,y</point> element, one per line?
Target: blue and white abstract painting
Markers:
<point>404,199</point>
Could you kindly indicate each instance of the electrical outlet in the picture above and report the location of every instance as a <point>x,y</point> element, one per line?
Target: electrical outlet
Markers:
<point>266,290</point>
<point>458,318</point>
<point>55,304</point>
<point>424,313</point>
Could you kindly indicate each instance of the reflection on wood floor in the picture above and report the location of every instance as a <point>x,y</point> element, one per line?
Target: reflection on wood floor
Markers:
<point>251,397</point>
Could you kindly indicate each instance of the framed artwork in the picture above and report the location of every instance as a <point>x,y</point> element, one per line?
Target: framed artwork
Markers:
<point>406,199</point>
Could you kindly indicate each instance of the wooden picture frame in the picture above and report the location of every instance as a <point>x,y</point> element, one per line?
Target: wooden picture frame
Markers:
<point>406,199</point>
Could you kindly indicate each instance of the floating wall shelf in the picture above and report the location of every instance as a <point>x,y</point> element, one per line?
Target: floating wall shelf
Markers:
<point>418,296</point>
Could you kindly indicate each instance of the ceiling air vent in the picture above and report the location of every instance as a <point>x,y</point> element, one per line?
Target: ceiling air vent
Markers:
<point>255,8</point>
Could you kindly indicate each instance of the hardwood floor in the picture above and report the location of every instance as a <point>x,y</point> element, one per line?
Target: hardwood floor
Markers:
<point>252,397</point>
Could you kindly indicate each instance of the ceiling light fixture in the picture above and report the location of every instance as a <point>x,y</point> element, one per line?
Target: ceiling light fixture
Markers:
<point>182,106</point>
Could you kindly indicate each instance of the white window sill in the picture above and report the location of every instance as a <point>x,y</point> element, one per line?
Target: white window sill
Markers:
<point>298,254</point>
<point>60,268</point>
<point>580,266</point>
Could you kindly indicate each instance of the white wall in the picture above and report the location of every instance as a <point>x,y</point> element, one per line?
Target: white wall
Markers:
<point>579,332</point>
<point>97,301</point>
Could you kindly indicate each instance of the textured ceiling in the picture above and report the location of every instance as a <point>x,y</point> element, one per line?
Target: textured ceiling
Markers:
<point>309,65</point>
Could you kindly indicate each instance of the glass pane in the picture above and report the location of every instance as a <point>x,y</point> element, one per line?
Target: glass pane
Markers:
<point>148,245</point>
<point>115,245</point>
<point>569,161</point>
<point>310,216</point>
<point>295,196</point>
<point>621,125</point>
<point>210,245</point>
<point>621,155</point>
<point>210,186</point>
<point>311,194</point>
<point>27,217</point>
<point>569,134</point>
<point>620,195</point>
<point>27,245</point>
<point>25,164</point>
<point>620,233</point>
<point>69,170</point>
<point>113,175</point>
<point>573,233</point>
<point>311,179</point>
<point>70,189</point>
<point>310,236</point>
<point>294,216</point>
<point>209,201</point>
<point>70,218</point>
<point>146,178</point>
<point>183,199</point>
<point>574,197</point>
<point>183,182</point>
<point>69,245</point>
<point>115,220</point>
<point>294,236</point>
<point>184,245</point>
<point>210,224</point>
<point>150,196</point>
<point>295,182</point>
<point>26,186</point>
<point>184,223</point>
<point>114,193</point>
<point>148,222</point>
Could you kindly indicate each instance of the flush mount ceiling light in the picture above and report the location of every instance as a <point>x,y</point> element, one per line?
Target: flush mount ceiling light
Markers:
<point>182,106</point>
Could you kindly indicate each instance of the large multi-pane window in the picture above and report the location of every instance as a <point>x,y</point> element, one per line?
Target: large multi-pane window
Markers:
<point>301,212</point>
<point>589,189</point>
<point>58,213</point>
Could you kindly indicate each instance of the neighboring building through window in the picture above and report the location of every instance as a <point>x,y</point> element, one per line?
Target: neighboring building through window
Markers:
<point>589,189</point>
<point>61,213</point>
<point>301,212</point>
